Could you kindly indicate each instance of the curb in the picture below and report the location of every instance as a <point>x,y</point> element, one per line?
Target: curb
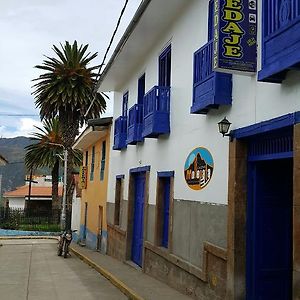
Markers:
<point>28,237</point>
<point>114,280</point>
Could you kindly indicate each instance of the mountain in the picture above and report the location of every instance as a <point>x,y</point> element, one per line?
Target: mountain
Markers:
<point>13,173</point>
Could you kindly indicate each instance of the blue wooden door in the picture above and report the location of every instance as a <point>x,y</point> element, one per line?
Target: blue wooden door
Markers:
<point>269,230</point>
<point>166,212</point>
<point>138,219</point>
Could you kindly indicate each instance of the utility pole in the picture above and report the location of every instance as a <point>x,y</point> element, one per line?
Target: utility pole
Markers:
<point>64,200</point>
<point>29,187</point>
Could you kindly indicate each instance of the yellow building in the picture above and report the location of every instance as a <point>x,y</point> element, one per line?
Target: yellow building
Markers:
<point>94,144</point>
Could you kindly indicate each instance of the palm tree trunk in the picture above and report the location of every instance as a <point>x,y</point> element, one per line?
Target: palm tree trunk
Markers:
<point>55,176</point>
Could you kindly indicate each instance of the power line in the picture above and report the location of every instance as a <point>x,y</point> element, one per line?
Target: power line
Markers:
<point>106,53</point>
<point>18,115</point>
<point>113,36</point>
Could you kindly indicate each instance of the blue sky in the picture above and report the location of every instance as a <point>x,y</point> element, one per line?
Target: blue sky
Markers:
<point>28,29</point>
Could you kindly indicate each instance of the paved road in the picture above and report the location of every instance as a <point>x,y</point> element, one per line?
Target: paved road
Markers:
<point>31,270</point>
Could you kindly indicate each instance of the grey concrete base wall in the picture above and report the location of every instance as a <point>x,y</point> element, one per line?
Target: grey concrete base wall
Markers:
<point>110,212</point>
<point>195,223</point>
<point>151,223</point>
<point>214,288</point>
<point>123,214</point>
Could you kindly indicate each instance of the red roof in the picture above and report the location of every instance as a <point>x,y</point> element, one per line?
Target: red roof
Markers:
<point>36,191</point>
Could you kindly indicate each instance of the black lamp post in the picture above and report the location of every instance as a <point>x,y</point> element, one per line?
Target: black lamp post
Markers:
<point>224,126</point>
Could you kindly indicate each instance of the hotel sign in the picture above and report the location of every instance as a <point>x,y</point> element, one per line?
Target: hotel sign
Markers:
<point>82,177</point>
<point>235,36</point>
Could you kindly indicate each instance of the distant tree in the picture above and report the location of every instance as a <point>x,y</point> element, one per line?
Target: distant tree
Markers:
<point>45,151</point>
<point>67,90</point>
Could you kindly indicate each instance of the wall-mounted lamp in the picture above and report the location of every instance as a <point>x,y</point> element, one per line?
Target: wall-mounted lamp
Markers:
<point>224,126</point>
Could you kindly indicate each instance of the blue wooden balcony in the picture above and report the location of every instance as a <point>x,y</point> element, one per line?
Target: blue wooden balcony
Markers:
<point>120,133</point>
<point>280,39</point>
<point>135,124</point>
<point>156,112</point>
<point>211,89</point>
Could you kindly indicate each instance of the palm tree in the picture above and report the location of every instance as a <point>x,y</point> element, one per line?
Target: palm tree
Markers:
<point>45,151</point>
<point>67,90</point>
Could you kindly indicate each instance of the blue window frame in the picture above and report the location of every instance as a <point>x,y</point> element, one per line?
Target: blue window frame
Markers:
<point>141,89</point>
<point>136,115</point>
<point>164,67</point>
<point>125,104</point>
<point>103,155</point>
<point>92,164</point>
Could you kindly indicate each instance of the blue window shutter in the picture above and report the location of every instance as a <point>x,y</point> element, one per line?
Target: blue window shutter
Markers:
<point>125,105</point>
<point>141,89</point>
<point>102,167</point>
<point>210,20</point>
<point>164,68</point>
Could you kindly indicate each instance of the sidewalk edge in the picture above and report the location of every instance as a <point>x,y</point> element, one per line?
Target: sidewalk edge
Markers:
<point>114,280</point>
<point>28,237</point>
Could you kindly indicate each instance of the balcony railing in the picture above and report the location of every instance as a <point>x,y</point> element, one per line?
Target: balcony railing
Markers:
<point>211,89</point>
<point>120,133</point>
<point>280,39</point>
<point>156,112</point>
<point>135,124</point>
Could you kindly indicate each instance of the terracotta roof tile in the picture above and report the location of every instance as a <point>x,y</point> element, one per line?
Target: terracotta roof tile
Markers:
<point>42,191</point>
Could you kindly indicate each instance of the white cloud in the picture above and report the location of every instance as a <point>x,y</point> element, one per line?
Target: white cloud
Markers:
<point>28,29</point>
<point>24,127</point>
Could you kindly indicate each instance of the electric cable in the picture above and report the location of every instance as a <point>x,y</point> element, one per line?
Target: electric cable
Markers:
<point>106,53</point>
<point>18,115</point>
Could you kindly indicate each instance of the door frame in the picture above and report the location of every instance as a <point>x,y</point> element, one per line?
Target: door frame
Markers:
<point>237,204</point>
<point>130,214</point>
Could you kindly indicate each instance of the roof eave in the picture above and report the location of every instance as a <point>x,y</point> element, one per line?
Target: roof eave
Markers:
<point>133,23</point>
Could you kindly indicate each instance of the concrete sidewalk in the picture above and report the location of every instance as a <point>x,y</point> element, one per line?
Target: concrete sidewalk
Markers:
<point>134,283</point>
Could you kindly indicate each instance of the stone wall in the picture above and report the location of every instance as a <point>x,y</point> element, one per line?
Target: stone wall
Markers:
<point>116,243</point>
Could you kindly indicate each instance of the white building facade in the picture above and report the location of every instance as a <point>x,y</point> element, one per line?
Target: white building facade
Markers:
<point>184,203</point>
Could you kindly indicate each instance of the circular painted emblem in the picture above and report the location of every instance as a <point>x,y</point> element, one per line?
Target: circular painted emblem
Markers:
<point>198,168</point>
<point>284,12</point>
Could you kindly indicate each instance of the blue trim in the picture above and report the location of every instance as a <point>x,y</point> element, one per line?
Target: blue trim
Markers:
<point>120,176</point>
<point>271,156</point>
<point>166,174</point>
<point>265,126</point>
<point>165,51</point>
<point>140,169</point>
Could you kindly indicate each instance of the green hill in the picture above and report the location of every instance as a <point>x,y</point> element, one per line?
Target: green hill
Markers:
<point>13,150</point>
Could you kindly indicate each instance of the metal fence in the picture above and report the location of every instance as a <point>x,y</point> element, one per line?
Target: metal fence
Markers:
<point>30,219</point>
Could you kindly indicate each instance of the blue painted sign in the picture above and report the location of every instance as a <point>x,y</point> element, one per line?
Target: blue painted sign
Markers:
<point>235,36</point>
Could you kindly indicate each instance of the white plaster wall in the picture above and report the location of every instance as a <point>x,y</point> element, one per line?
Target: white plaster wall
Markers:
<point>17,203</point>
<point>252,102</point>
<point>76,210</point>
